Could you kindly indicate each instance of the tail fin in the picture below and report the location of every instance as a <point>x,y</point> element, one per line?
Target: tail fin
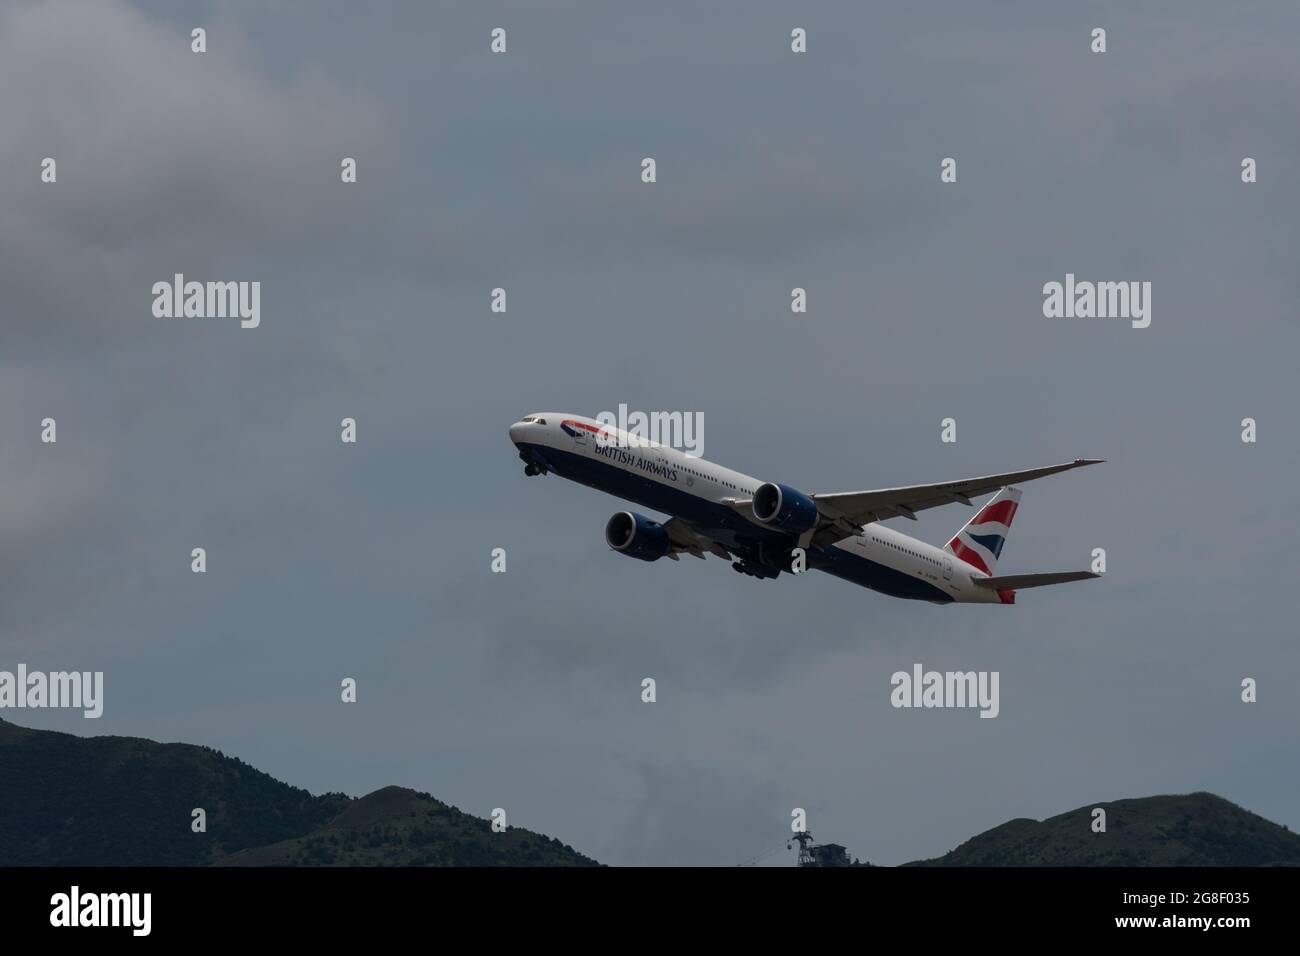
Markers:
<point>979,542</point>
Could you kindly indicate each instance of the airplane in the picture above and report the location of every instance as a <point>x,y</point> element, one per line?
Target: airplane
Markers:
<point>760,525</point>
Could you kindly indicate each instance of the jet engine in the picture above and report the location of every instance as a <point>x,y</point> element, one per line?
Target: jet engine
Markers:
<point>636,536</point>
<point>785,509</point>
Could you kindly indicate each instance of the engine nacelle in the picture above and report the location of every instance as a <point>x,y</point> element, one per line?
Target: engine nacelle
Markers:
<point>636,536</point>
<point>784,508</point>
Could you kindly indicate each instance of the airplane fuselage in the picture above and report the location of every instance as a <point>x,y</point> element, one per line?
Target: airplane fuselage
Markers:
<point>703,493</point>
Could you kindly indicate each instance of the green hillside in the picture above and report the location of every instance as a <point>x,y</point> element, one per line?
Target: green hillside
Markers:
<point>1197,829</point>
<point>400,827</point>
<point>126,801</point>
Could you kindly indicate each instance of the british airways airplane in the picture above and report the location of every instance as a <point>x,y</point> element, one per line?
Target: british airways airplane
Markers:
<point>759,525</point>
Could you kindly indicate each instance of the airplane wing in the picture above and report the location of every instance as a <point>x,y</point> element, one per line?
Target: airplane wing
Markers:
<point>685,538</point>
<point>1020,581</point>
<point>844,513</point>
<point>861,507</point>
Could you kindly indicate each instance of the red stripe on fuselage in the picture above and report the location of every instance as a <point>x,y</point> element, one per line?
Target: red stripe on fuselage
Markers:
<point>582,425</point>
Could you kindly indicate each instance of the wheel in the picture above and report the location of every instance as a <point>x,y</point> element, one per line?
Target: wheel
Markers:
<point>531,470</point>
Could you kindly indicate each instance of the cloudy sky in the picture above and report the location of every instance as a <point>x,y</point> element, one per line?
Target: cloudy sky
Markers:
<point>775,170</point>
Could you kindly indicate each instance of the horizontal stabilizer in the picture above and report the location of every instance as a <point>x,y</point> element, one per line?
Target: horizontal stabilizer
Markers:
<point>1015,581</point>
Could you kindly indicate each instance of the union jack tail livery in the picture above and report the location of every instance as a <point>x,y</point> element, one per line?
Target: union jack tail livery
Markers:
<point>980,542</point>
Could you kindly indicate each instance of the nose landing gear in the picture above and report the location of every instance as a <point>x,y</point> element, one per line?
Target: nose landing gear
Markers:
<point>532,467</point>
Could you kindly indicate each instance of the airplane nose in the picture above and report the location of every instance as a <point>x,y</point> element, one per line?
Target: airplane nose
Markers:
<point>517,432</point>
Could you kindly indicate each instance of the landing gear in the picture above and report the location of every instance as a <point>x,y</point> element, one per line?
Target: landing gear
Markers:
<point>531,467</point>
<point>754,570</point>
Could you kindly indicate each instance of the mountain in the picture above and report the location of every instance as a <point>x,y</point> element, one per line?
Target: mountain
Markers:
<point>400,827</point>
<point>1197,829</point>
<point>127,801</point>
